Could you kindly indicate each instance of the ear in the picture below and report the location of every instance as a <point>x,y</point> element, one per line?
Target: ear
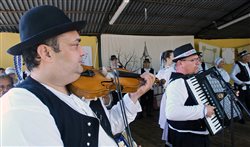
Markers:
<point>179,63</point>
<point>45,52</point>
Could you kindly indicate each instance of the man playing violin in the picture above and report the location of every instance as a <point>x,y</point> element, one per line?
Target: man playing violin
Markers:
<point>41,111</point>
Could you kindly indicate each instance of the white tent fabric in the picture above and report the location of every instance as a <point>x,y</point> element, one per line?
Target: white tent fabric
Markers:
<point>87,58</point>
<point>228,55</point>
<point>128,45</point>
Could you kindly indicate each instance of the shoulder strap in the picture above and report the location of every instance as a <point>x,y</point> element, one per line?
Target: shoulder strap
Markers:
<point>97,108</point>
<point>203,66</point>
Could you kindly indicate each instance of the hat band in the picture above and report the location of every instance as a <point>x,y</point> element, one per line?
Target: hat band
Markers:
<point>186,54</point>
<point>217,62</point>
<point>244,54</point>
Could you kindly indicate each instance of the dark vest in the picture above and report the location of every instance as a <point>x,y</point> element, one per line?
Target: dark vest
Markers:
<point>193,125</point>
<point>151,70</point>
<point>76,130</point>
<point>203,65</point>
<point>243,75</point>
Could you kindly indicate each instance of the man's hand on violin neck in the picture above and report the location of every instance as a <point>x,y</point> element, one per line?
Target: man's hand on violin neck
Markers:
<point>149,78</point>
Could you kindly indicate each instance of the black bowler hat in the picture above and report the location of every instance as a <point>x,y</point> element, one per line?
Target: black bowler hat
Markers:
<point>146,61</point>
<point>113,57</point>
<point>41,23</point>
<point>243,53</point>
<point>184,51</point>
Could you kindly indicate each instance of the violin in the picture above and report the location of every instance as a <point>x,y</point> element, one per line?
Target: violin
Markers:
<point>93,83</point>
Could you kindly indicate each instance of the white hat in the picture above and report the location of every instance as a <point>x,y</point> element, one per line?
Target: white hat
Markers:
<point>10,70</point>
<point>217,61</point>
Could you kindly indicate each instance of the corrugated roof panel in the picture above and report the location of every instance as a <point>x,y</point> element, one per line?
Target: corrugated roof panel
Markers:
<point>163,17</point>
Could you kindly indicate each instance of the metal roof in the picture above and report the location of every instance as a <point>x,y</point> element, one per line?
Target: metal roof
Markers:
<point>200,18</point>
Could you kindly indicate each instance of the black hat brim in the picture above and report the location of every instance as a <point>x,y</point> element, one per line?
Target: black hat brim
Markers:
<point>46,34</point>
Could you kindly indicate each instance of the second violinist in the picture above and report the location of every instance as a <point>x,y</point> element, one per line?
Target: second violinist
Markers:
<point>53,115</point>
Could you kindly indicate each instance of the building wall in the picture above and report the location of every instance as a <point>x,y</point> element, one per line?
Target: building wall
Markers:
<point>226,43</point>
<point>8,40</point>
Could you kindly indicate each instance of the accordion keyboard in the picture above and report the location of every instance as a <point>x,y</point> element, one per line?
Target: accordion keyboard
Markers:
<point>209,88</point>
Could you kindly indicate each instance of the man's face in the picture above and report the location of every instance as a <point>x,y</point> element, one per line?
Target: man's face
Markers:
<point>221,64</point>
<point>146,65</point>
<point>5,85</point>
<point>12,75</point>
<point>68,61</point>
<point>191,64</point>
<point>114,62</point>
<point>1,71</point>
<point>246,58</point>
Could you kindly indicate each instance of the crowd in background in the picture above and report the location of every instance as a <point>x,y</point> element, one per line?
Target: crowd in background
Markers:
<point>7,79</point>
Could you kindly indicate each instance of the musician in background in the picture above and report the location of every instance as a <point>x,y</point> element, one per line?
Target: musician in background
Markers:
<point>114,63</point>
<point>219,64</point>
<point>164,73</point>
<point>241,76</point>
<point>185,117</point>
<point>146,100</point>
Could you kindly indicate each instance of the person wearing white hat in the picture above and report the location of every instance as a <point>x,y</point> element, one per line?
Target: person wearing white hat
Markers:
<point>241,76</point>
<point>41,110</point>
<point>11,71</point>
<point>219,64</point>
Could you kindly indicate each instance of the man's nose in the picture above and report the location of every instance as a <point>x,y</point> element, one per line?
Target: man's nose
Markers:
<point>82,52</point>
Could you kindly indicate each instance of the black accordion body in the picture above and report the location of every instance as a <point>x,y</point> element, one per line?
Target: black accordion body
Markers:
<point>209,88</point>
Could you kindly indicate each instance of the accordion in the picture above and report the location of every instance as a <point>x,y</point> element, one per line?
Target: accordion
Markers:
<point>209,88</point>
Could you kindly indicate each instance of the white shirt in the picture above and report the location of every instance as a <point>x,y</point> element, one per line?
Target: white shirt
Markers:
<point>236,70</point>
<point>177,95</point>
<point>146,70</point>
<point>224,74</point>
<point>26,121</point>
<point>165,74</point>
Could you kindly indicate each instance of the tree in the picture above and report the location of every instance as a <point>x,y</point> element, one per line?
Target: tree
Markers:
<point>129,60</point>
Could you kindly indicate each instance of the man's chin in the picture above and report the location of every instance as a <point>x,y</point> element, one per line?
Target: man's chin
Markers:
<point>196,71</point>
<point>76,77</point>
